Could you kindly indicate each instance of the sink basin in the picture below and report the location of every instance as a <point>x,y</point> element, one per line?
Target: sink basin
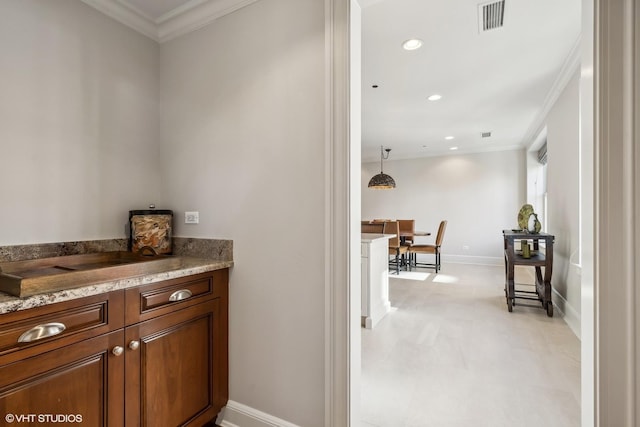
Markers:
<point>26,278</point>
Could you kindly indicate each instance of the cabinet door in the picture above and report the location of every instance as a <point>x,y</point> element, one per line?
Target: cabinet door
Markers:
<point>81,384</point>
<point>176,367</point>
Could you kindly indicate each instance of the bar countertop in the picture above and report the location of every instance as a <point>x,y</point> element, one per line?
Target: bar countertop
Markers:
<point>187,266</point>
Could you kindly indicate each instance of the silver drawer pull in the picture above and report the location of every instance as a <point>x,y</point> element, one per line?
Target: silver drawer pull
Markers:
<point>180,295</point>
<point>39,332</point>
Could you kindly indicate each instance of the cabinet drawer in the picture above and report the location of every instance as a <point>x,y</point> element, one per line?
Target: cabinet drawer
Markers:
<point>146,302</point>
<point>52,326</point>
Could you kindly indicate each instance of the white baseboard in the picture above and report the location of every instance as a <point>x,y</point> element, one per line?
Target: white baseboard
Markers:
<point>560,306</point>
<point>238,415</point>
<point>569,314</point>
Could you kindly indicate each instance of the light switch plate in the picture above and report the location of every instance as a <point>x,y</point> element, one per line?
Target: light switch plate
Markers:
<point>191,217</point>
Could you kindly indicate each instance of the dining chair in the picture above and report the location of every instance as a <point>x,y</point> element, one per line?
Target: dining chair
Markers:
<point>407,228</point>
<point>430,249</point>
<point>377,228</point>
<point>396,250</point>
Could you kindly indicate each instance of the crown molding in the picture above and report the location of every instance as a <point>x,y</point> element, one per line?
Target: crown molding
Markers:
<point>569,67</point>
<point>125,16</point>
<point>189,17</point>
<point>446,152</point>
<point>198,17</point>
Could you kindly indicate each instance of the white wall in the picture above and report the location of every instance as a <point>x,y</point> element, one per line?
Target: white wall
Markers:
<point>78,123</point>
<point>478,194</point>
<point>243,143</point>
<point>563,199</point>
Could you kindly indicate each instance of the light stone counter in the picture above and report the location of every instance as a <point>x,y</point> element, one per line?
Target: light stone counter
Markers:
<point>195,255</point>
<point>188,266</point>
<point>370,237</point>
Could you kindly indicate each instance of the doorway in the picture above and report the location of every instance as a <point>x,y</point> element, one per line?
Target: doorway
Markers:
<point>587,191</point>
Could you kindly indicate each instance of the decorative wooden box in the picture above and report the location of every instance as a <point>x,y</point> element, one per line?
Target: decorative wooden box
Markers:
<point>151,229</point>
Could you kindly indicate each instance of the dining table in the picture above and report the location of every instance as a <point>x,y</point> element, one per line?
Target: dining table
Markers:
<point>405,234</point>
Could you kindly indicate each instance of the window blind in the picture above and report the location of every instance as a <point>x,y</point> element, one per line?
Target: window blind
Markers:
<point>542,154</point>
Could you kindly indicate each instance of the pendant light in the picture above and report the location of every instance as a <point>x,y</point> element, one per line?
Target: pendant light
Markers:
<point>382,181</point>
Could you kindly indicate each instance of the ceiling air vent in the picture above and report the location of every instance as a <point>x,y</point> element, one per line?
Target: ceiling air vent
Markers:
<point>486,134</point>
<point>491,15</point>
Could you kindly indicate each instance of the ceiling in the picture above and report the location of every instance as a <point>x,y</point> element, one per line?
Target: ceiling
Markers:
<point>501,81</point>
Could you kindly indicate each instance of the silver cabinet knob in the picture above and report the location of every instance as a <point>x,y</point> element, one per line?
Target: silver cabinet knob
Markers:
<point>133,345</point>
<point>117,350</point>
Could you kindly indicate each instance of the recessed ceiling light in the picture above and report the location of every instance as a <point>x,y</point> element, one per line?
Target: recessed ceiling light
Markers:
<point>449,138</point>
<point>453,148</point>
<point>412,44</point>
<point>434,97</point>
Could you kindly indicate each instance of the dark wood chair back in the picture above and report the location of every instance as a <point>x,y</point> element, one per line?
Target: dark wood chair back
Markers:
<point>372,228</point>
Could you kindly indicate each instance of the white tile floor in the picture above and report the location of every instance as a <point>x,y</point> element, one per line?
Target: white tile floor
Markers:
<point>450,354</point>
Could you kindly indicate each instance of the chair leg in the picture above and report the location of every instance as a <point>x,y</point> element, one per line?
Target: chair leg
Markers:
<point>436,265</point>
<point>396,261</point>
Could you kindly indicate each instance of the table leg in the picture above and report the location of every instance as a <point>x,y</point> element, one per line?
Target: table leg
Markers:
<point>543,287</point>
<point>510,290</point>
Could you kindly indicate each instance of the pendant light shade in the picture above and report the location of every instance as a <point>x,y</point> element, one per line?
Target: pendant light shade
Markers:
<point>382,181</point>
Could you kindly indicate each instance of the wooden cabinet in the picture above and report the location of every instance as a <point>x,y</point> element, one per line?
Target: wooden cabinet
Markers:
<point>81,382</point>
<point>176,357</point>
<point>126,358</point>
<point>73,373</point>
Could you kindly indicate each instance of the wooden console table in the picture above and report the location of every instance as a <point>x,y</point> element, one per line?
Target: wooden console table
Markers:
<point>537,260</point>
